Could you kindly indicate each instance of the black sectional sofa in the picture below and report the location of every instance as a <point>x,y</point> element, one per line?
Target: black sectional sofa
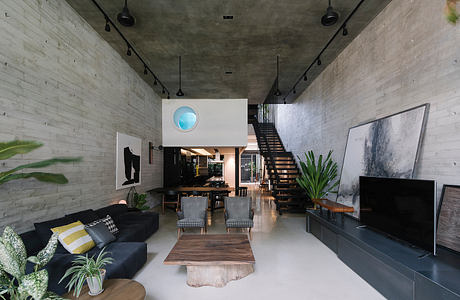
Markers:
<point>128,251</point>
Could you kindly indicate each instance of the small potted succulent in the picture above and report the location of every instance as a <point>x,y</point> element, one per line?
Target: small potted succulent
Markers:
<point>87,269</point>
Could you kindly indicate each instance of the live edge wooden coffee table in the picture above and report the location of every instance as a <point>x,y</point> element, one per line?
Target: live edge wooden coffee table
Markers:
<point>213,259</point>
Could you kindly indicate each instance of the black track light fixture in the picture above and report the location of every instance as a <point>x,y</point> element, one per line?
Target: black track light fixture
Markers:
<point>163,90</point>
<point>155,81</point>
<point>277,92</point>
<point>318,61</point>
<point>344,30</point>
<point>129,50</point>
<point>179,92</point>
<point>107,25</point>
<point>125,18</point>
<point>294,91</point>
<point>284,101</point>
<point>145,70</point>
<point>169,97</point>
<point>331,17</point>
<point>305,78</point>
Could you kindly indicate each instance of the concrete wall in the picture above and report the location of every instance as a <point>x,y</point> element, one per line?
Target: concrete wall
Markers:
<point>408,55</point>
<point>63,85</point>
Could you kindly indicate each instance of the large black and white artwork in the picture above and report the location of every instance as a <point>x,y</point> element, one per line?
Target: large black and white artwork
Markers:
<point>386,147</point>
<point>128,167</point>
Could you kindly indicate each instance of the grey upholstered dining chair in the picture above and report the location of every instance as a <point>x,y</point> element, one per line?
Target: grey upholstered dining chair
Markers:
<point>239,213</point>
<point>193,214</point>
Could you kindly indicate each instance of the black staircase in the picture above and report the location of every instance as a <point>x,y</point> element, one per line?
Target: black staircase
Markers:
<point>281,168</point>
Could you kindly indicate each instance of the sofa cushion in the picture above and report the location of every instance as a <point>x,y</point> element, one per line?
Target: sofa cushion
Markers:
<point>85,216</point>
<point>114,211</point>
<point>74,238</point>
<point>32,242</point>
<point>107,220</point>
<point>43,229</point>
<point>150,221</point>
<point>131,233</point>
<point>128,259</point>
<point>100,234</point>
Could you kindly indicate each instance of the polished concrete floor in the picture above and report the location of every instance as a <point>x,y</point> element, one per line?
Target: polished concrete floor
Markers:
<point>290,263</point>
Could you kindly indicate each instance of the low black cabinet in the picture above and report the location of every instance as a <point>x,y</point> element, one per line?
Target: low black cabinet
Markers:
<point>396,270</point>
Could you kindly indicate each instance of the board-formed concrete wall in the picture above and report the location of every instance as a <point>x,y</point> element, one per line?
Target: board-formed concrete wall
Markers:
<point>63,85</point>
<point>408,55</point>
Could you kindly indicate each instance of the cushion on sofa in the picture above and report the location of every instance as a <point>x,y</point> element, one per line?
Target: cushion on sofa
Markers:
<point>100,234</point>
<point>114,211</point>
<point>32,242</point>
<point>131,233</point>
<point>107,220</point>
<point>128,259</point>
<point>43,229</point>
<point>85,216</point>
<point>74,238</point>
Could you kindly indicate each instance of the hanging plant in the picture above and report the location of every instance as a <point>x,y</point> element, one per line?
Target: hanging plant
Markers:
<point>451,12</point>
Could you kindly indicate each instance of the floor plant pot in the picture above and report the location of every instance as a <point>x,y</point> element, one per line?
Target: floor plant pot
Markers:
<point>94,285</point>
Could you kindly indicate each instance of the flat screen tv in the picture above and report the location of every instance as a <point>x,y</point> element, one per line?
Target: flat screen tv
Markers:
<point>402,208</point>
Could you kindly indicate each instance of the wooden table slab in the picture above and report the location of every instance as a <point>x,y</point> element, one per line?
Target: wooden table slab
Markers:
<point>213,259</point>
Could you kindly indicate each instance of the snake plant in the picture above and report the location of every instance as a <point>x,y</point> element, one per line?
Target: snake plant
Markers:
<point>10,149</point>
<point>317,178</point>
<point>15,284</point>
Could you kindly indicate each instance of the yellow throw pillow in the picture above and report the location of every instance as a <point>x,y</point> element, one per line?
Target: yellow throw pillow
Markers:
<point>74,238</point>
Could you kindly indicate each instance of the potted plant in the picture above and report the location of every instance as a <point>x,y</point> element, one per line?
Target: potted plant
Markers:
<point>15,284</point>
<point>87,269</point>
<point>451,12</point>
<point>317,178</point>
<point>140,201</point>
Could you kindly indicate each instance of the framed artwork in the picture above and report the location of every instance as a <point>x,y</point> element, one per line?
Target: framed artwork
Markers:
<point>448,233</point>
<point>387,147</point>
<point>128,164</point>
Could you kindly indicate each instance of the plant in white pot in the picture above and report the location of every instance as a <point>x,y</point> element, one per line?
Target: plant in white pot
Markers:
<point>87,269</point>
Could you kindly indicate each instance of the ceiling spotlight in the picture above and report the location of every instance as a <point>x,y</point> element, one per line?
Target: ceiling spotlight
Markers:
<point>345,30</point>
<point>284,101</point>
<point>331,17</point>
<point>145,70</point>
<point>155,81</point>
<point>129,51</point>
<point>125,18</point>
<point>169,97</point>
<point>319,61</point>
<point>305,78</point>
<point>163,91</point>
<point>294,91</point>
<point>179,92</point>
<point>277,92</point>
<point>107,26</point>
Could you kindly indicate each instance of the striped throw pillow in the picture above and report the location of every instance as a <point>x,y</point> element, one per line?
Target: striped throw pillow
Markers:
<point>74,237</point>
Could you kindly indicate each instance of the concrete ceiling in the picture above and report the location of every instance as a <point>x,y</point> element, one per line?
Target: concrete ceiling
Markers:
<point>246,45</point>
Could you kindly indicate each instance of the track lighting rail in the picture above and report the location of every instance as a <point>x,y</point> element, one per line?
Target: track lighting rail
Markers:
<point>317,60</point>
<point>131,49</point>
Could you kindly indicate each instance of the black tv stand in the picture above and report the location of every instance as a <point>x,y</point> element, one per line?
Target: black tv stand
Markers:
<point>395,269</point>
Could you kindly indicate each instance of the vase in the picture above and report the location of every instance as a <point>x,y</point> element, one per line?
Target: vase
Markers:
<point>95,285</point>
